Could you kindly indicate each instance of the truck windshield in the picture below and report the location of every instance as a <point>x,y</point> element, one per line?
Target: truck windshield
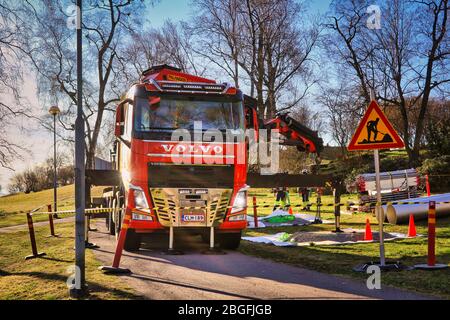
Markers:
<point>180,113</point>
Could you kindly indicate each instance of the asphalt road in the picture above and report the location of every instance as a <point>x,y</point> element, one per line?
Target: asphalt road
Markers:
<point>195,275</point>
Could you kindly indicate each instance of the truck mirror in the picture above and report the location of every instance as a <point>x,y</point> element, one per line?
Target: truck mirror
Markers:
<point>119,128</point>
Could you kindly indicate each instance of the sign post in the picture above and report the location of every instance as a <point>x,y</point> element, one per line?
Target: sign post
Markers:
<point>375,132</point>
<point>79,288</point>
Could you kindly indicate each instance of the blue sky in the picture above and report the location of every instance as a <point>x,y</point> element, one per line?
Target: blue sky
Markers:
<point>181,10</point>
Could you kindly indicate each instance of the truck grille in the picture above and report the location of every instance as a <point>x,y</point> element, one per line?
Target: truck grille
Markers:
<point>167,202</point>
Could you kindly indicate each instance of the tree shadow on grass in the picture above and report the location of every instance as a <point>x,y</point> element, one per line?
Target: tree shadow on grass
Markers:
<point>94,287</point>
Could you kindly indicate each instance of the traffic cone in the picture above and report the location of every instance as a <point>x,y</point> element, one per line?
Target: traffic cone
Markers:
<point>368,233</point>
<point>412,227</point>
<point>290,210</point>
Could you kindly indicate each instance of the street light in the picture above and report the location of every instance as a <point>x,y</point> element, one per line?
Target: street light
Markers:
<point>54,111</point>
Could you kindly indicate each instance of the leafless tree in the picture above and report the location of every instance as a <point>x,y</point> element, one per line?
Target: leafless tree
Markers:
<point>12,31</point>
<point>405,61</point>
<point>340,111</point>
<point>106,26</point>
<point>267,43</point>
<point>169,44</point>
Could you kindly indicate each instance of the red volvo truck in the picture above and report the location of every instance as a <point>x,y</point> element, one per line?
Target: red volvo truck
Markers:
<point>197,184</point>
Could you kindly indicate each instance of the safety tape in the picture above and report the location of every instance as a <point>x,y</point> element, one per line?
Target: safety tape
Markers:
<point>87,211</point>
<point>107,210</point>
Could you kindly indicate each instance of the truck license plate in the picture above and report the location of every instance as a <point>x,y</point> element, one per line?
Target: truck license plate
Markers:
<point>193,217</point>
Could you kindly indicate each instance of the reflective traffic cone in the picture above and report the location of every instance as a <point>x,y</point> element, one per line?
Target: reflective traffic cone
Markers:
<point>368,233</point>
<point>412,227</point>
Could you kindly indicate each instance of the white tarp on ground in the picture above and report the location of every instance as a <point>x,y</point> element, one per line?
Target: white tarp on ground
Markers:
<point>271,239</point>
<point>281,239</point>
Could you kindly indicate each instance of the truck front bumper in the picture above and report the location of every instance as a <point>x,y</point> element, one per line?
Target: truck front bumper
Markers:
<point>152,226</point>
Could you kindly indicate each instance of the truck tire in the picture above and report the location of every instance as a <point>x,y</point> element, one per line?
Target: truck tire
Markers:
<point>132,241</point>
<point>109,219</point>
<point>229,241</point>
<point>117,223</point>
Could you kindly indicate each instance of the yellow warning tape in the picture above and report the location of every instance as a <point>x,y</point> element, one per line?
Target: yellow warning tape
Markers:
<point>107,210</point>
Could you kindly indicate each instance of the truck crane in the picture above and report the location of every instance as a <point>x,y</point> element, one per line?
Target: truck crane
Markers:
<point>155,189</point>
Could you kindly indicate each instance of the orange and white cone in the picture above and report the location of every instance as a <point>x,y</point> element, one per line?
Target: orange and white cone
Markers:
<point>412,227</point>
<point>368,234</point>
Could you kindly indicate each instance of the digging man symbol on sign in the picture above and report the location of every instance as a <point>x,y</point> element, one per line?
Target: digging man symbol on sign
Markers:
<point>372,127</point>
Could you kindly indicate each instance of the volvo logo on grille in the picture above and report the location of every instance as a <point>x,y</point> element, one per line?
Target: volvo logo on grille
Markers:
<point>181,148</point>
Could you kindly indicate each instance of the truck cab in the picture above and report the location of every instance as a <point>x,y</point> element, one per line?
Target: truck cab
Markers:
<point>181,151</point>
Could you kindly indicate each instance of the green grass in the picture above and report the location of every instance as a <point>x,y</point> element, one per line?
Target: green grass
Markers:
<point>13,208</point>
<point>340,259</point>
<point>45,278</point>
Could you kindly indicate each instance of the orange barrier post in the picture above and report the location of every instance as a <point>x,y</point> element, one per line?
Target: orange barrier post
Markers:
<point>115,268</point>
<point>431,233</point>
<point>33,240</point>
<point>412,227</point>
<point>255,212</point>
<point>427,185</point>
<point>368,234</point>
<point>431,261</point>
<point>52,227</point>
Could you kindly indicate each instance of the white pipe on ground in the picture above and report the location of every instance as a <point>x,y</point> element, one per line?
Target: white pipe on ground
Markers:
<point>399,213</point>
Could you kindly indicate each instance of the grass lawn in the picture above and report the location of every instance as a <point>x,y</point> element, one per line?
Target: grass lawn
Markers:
<point>340,259</point>
<point>45,278</point>
<point>13,208</point>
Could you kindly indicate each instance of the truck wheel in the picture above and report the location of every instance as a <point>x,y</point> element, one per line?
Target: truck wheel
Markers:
<point>132,240</point>
<point>229,241</point>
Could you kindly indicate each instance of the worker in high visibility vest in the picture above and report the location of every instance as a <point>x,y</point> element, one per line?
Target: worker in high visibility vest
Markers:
<point>282,200</point>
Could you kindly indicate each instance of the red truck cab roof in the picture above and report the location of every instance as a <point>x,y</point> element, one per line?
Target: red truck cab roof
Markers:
<point>165,78</point>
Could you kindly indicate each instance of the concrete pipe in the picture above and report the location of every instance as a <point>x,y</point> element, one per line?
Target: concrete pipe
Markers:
<point>399,213</point>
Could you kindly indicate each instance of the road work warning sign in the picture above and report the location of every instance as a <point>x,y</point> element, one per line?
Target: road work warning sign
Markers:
<point>375,132</point>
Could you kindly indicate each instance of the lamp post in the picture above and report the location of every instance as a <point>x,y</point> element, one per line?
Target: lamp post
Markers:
<point>54,111</point>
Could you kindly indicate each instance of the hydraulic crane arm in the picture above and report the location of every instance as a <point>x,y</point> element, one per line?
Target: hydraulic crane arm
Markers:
<point>296,134</point>
<point>293,132</point>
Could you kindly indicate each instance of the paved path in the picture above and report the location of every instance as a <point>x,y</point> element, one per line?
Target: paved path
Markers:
<point>231,276</point>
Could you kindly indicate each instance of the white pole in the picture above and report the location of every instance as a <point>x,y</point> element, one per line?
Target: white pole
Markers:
<point>171,238</point>
<point>211,238</point>
<point>378,211</point>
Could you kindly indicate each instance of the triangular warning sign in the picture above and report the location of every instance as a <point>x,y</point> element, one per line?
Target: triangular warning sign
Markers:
<point>375,132</point>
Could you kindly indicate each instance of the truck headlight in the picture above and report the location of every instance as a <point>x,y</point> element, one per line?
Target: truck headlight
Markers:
<point>240,201</point>
<point>140,200</point>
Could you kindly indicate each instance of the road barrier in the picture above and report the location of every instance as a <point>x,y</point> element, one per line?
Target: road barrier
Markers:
<point>255,212</point>
<point>34,250</point>
<point>52,227</point>
<point>431,259</point>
